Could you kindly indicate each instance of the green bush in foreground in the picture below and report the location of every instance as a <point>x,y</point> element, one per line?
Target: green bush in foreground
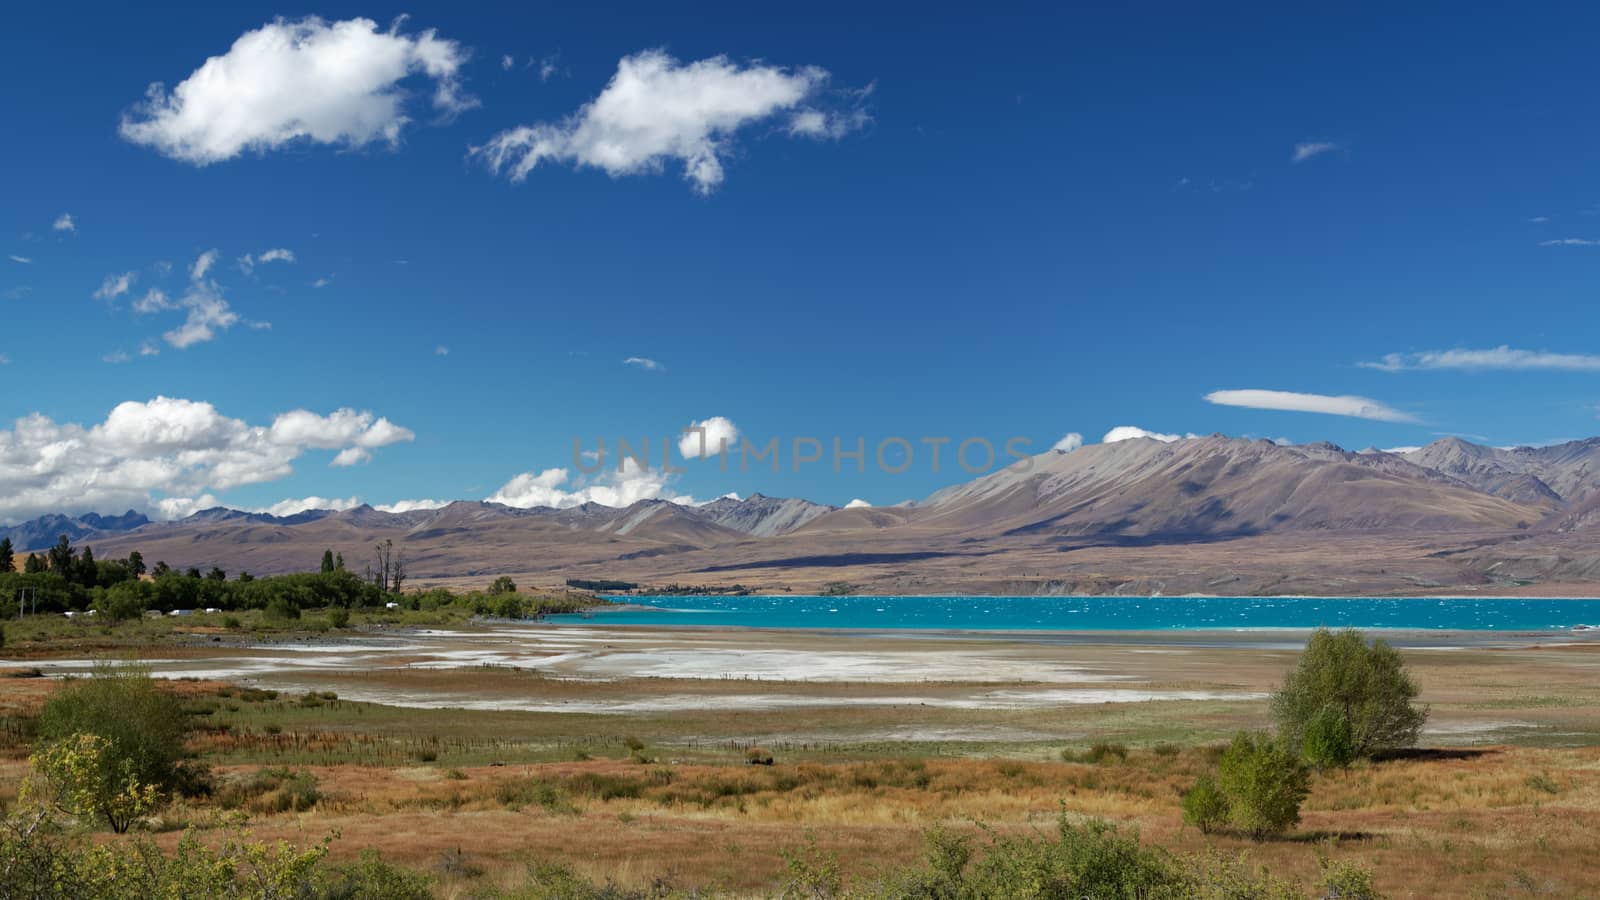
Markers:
<point>142,724</point>
<point>1264,783</point>
<point>1329,740</point>
<point>1204,805</point>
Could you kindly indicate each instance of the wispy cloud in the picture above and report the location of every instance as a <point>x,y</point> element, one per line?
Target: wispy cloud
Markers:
<point>1539,220</point>
<point>1570,242</point>
<point>4,360</point>
<point>115,286</point>
<point>644,362</point>
<point>1501,357</point>
<point>1312,150</point>
<point>1291,401</point>
<point>441,350</point>
<point>20,259</point>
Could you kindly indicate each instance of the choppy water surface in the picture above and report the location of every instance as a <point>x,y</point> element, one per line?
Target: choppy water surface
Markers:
<point>1099,613</point>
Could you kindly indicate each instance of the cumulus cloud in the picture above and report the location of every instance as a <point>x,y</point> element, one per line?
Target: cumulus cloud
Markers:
<point>1129,432</point>
<point>507,62</point>
<point>164,455</point>
<point>404,506</point>
<point>1312,150</point>
<point>1069,442</point>
<point>858,503</point>
<point>657,110</point>
<point>643,362</point>
<point>290,507</point>
<point>1291,401</point>
<point>1502,357</point>
<point>616,486</point>
<point>154,300</point>
<point>307,80</point>
<point>65,222</point>
<point>115,286</point>
<point>707,437</point>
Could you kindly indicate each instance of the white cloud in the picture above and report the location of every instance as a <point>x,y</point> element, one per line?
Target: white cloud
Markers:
<point>115,286</point>
<point>1069,442</point>
<point>507,63</point>
<point>643,362</point>
<point>351,456</point>
<point>1502,357</point>
<point>208,310</point>
<point>404,506</point>
<point>65,222</point>
<point>1129,432</point>
<point>321,282</point>
<point>1570,242</point>
<point>612,487</point>
<point>1312,150</point>
<point>307,80</point>
<point>1290,401</point>
<point>4,360</point>
<point>1399,450</point>
<point>858,503</point>
<point>20,259</point>
<point>116,356</point>
<point>441,350</point>
<point>154,300</point>
<point>656,110</point>
<point>290,507</point>
<point>164,455</point>
<point>1539,220</point>
<point>718,432</point>
<point>547,67</point>
<point>248,262</point>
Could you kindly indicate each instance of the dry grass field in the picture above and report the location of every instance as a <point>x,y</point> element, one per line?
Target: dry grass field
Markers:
<point>1502,801</point>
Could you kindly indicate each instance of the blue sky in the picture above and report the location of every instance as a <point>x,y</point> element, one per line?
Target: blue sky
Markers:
<point>1036,221</point>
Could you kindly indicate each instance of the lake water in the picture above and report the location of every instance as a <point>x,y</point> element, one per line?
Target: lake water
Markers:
<point>1097,613</point>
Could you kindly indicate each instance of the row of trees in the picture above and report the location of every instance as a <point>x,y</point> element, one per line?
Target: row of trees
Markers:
<point>65,578</point>
<point>1344,701</point>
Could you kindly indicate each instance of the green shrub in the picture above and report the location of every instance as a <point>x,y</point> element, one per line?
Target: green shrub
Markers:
<point>271,790</point>
<point>1264,784</point>
<point>1329,742</point>
<point>143,724</point>
<point>1204,806</point>
<point>339,618</point>
<point>1348,881</point>
<point>1368,685</point>
<point>370,878</point>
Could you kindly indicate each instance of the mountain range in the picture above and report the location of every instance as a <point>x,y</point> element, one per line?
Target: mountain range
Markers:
<point>1209,514</point>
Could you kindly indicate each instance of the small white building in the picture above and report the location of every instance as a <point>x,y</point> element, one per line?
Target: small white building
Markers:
<point>391,605</point>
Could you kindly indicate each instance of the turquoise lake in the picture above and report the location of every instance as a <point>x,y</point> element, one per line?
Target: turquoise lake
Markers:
<point>1096,613</point>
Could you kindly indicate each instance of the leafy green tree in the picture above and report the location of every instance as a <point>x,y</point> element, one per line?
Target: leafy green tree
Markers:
<point>338,562</point>
<point>1367,685</point>
<point>216,574</point>
<point>327,562</point>
<point>1264,783</point>
<point>161,569</point>
<point>80,777</point>
<point>35,565</point>
<point>136,564</point>
<point>503,585</point>
<point>8,556</point>
<point>191,572</point>
<point>143,724</point>
<point>1204,806</point>
<point>1329,742</point>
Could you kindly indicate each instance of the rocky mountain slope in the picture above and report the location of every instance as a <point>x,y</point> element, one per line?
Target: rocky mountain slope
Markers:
<point>1195,514</point>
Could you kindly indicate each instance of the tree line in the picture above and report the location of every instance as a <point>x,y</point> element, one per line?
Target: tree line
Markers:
<point>67,579</point>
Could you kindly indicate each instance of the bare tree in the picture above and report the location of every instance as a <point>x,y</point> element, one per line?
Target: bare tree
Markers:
<point>398,574</point>
<point>384,553</point>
